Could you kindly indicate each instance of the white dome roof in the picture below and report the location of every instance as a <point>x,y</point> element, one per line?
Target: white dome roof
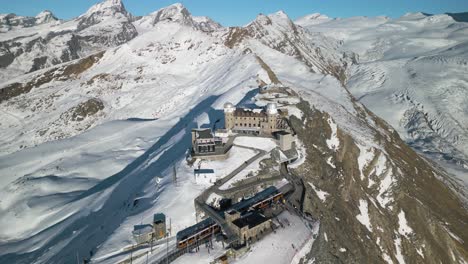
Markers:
<point>229,108</point>
<point>228,105</point>
<point>271,108</point>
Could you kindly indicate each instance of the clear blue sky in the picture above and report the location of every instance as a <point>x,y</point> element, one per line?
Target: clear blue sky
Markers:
<point>240,12</point>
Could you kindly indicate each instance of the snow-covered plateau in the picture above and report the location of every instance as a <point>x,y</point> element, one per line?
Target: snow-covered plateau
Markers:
<point>96,115</point>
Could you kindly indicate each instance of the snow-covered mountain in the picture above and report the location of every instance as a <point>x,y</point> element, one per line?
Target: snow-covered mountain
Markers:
<point>177,13</point>
<point>11,21</point>
<point>278,32</point>
<point>412,72</point>
<point>89,144</point>
<point>28,44</point>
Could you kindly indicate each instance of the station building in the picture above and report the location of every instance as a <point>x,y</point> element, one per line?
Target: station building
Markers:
<point>249,227</point>
<point>209,145</point>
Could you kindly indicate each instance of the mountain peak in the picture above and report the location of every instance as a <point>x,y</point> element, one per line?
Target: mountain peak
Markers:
<point>45,16</point>
<point>282,14</point>
<point>313,19</point>
<point>206,24</point>
<point>109,10</point>
<point>175,12</point>
<point>280,17</point>
<point>179,6</point>
<point>107,7</point>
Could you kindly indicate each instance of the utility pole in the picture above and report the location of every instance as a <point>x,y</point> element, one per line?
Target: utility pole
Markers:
<point>77,259</point>
<point>167,249</point>
<point>174,175</point>
<point>131,255</point>
<point>170,227</point>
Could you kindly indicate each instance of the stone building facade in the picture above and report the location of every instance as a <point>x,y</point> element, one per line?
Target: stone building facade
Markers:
<point>253,121</point>
<point>249,227</point>
<point>159,225</point>
<point>206,145</point>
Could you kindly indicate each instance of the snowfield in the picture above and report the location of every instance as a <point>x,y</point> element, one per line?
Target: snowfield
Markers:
<point>412,73</point>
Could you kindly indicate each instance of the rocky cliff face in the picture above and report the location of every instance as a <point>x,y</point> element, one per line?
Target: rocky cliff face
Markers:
<point>376,204</point>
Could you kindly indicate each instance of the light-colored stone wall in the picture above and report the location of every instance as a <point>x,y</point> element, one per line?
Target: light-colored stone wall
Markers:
<point>286,141</point>
<point>159,230</point>
<point>229,120</point>
<point>257,231</point>
<point>247,121</point>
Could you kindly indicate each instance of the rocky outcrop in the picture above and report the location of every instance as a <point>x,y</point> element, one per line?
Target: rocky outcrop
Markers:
<point>85,109</point>
<point>61,73</point>
<point>380,203</point>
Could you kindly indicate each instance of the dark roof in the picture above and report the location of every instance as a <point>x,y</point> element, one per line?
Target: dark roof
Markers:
<point>203,171</point>
<point>160,217</point>
<point>193,229</point>
<point>282,133</point>
<point>203,133</point>
<point>243,205</point>
<point>251,219</point>
<point>249,113</point>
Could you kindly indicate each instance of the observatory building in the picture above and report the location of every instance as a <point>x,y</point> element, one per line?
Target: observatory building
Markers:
<point>260,121</point>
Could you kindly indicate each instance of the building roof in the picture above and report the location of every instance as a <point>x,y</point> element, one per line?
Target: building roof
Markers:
<point>203,133</point>
<point>203,171</point>
<point>252,219</point>
<point>142,229</point>
<point>243,205</point>
<point>282,133</point>
<point>182,234</point>
<point>249,113</point>
<point>159,217</point>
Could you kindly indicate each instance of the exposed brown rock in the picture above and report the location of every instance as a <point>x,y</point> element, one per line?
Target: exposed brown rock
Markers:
<point>431,208</point>
<point>267,68</point>
<point>17,89</point>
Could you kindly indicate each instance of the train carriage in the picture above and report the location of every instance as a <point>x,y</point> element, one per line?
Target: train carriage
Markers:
<point>197,232</point>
